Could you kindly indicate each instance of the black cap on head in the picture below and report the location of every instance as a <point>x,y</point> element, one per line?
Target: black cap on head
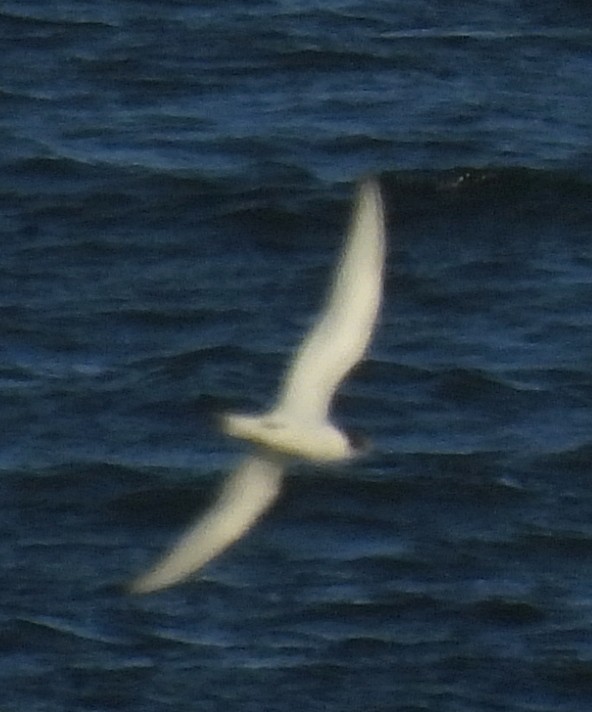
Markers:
<point>359,442</point>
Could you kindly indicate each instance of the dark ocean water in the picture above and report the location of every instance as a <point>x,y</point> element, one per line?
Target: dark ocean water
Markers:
<point>175,180</point>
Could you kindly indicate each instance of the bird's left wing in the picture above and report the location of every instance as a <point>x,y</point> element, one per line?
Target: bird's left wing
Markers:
<point>342,331</point>
<point>244,497</point>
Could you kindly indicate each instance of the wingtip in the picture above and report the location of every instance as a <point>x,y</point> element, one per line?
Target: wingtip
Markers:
<point>369,188</point>
<point>143,584</point>
<point>136,587</point>
<point>368,218</point>
<point>162,576</point>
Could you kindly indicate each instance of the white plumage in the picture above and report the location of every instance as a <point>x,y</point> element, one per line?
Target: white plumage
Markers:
<point>299,425</point>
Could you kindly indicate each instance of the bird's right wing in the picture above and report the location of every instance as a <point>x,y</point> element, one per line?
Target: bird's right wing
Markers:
<point>342,331</point>
<point>244,497</point>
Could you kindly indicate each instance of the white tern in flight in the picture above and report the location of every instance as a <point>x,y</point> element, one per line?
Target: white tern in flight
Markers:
<point>298,426</point>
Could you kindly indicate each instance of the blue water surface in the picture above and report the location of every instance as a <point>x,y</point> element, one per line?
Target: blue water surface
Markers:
<point>175,180</point>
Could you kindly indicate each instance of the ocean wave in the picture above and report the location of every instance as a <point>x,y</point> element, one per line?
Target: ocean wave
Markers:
<point>284,200</point>
<point>521,191</point>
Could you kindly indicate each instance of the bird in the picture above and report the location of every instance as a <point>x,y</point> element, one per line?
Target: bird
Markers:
<point>299,426</point>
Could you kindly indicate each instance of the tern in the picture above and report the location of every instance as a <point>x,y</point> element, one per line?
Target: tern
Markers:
<point>299,425</point>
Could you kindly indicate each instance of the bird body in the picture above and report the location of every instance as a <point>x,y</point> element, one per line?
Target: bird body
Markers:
<point>317,441</point>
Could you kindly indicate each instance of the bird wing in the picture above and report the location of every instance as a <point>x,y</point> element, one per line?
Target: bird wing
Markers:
<point>244,497</point>
<point>342,332</point>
